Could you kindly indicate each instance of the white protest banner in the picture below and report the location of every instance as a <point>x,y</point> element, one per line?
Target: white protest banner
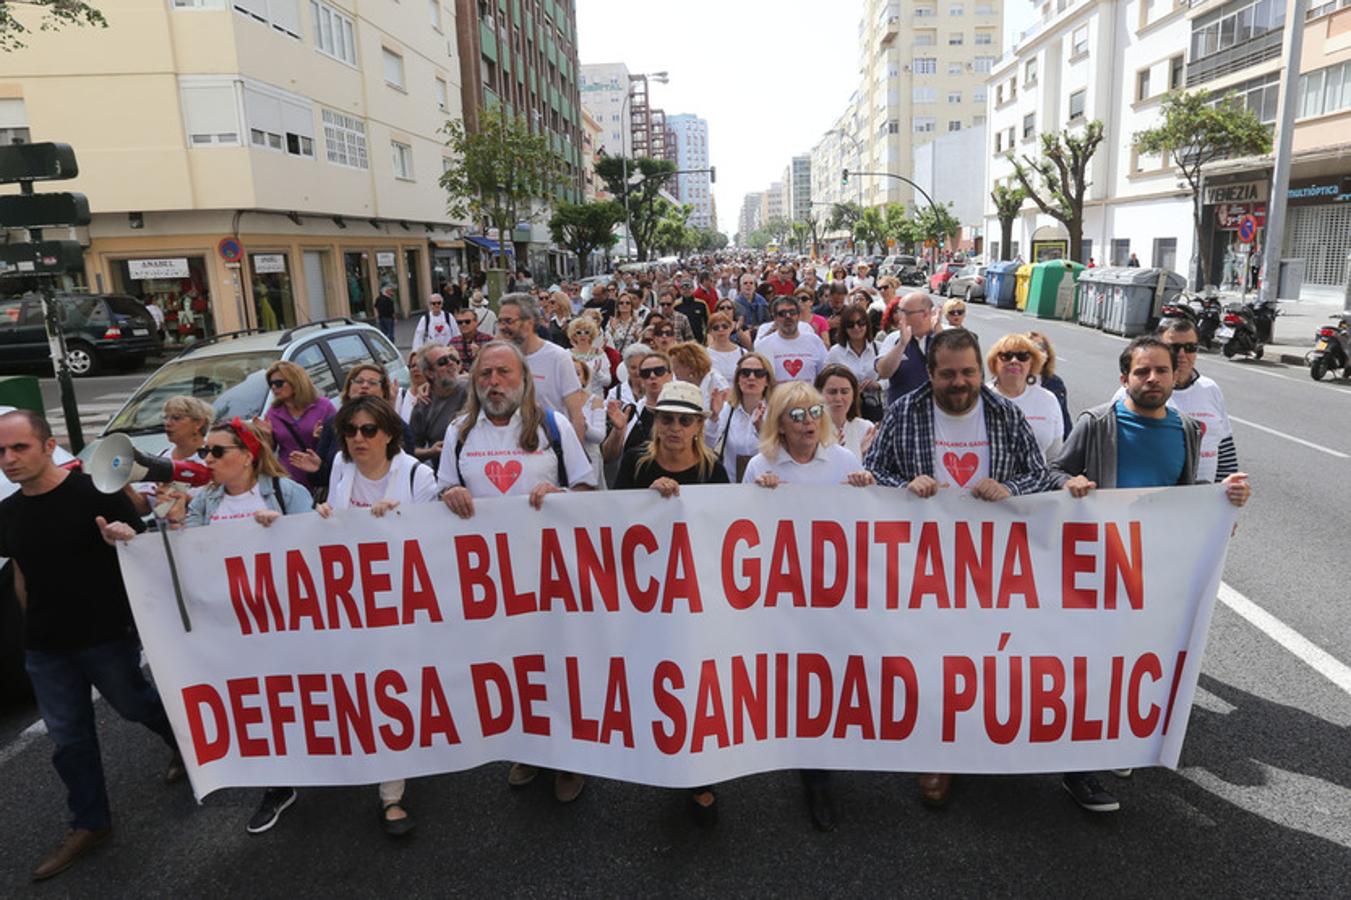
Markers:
<point>682,642</point>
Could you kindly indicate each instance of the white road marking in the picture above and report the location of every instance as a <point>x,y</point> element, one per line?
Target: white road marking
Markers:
<point>1290,437</point>
<point>1305,650</point>
<point>26,737</point>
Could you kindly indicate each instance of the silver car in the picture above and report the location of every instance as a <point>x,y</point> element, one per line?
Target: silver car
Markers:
<point>968,283</point>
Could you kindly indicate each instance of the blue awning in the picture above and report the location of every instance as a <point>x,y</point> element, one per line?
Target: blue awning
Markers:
<point>486,243</point>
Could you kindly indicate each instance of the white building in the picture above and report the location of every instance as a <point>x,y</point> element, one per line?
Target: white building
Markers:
<point>691,136</point>
<point>604,87</point>
<point>947,168</point>
<point>750,214</point>
<point>1111,60</point>
<point>797,180</point>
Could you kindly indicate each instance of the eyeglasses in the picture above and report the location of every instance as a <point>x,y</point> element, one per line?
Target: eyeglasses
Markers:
<point>277,383</point>
<point>446,360</point>
<point>1189,347</point>
<point>786,314</point>
<point>722,327</point>
<point>653,372</point>
<point>502,320</point>
<point>368,431</point>
<point>367,382</point>
<point>215,452</point>
<point>752,373</point>
<point>1011,355</point>
<point>799,414</point>
<point>914,312</point>
<point>685,419</point>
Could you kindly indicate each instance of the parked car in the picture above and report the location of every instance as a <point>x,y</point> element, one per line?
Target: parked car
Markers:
<point>938,281</point>
<point>906,268</point>
<point>968,283</point>
<point>102,331</point>
<point>229,371</point>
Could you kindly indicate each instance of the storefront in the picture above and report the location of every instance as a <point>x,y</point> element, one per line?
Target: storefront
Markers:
<point>274,302</point>
<point>1234,214</point>
<point>179,285</point>
<point>1319,228</point>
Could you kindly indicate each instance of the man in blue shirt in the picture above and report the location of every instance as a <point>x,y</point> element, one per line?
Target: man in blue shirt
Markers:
<point>1137,441</point>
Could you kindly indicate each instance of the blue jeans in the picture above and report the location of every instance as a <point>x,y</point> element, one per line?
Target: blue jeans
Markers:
<point>62,682</point>
<point>386,326</point>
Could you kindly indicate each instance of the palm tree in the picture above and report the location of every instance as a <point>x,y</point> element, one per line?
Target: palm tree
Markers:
<point>871,228</point>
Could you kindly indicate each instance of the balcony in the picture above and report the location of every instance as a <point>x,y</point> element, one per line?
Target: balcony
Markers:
<point>1235,59</point>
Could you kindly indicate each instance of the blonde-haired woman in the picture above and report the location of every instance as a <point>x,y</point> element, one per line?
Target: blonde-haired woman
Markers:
<point>724,354</point>
<point>954,313</point>
<point>1014,363</point>
<point>797,446</point>
<point>296,417</point>
<point>739,425</point>
<point>186,420</point>
<point>583,332</point>
<point>691,363</point>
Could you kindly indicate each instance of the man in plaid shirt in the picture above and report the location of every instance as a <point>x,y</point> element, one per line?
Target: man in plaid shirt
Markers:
<point>956,433</point>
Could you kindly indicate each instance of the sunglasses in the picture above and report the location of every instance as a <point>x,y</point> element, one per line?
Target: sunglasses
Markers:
<point>664,332</point>
<point>653,372</point>
<point>277,383</point>
<point>434,303</point>
<point>685,419</point>
<point>1011,355</point>
<point>369,430</point>
<point>446,360</point>
<point>464,322</point>
<point>1189,347</point>
<point>786,314</point>
<point>957,312</point>
<point>215,452</point>
<point>799,414</point>
<point>857,323</point>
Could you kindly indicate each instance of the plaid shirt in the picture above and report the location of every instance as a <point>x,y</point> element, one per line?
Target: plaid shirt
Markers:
<point>904,446</point>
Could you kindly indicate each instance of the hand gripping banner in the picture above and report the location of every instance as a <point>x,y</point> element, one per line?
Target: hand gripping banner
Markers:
<point>687,641</point>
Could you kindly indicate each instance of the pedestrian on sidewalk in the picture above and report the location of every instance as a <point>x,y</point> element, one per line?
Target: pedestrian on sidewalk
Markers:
<point>78,629</point>
<point>384,311</point>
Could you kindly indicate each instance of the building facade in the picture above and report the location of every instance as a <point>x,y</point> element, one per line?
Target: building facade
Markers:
<point>690,133</point>
<point>252,164</point>
<point>749,219</point>
<point>604,89</point>
<point>592,135</point>
<point>797,180</point>
<point>943,167</point>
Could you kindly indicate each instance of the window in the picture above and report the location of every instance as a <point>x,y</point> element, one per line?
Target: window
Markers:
<point>1175,73</point>
<point>955,39</point>
<point>922,12</point>
<point>983,64</point>
<point>1079,41</point>
<point>345,140</point>
<point>279,122</point>
<point>334,33</point>
<point>1029,126</point>
<point>441,94</point>
<point>434,14</point>
<point>1077,100</point>
<point>979,94</point>
<point>954,96</point>
<point>1231,25</point>
<point>925,38</point>
<point>1142,84</point>
<point>999,142</point>
<point>403,160</point>
<point>924,124</point>
<point>954,125</point>
<point>924,65</point>
<point>283,15</point>
<point>923,95</point>
<point>956,10</point>
<point>1121,251</point>
<point>1030,72</point>
<point>954,68</point>
<point>984,9</point>
<point>894,126</point>
<point>1324,91</point>
<point>393,68</point>
<point>1165,253</point>
<point>984,38</point>
<point>210,114</point>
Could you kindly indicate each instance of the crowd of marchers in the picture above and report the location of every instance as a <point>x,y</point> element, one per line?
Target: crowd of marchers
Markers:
<point>761,373</point>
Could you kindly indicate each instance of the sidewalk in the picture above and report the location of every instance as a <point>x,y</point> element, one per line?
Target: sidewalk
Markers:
<point>1295,327</point>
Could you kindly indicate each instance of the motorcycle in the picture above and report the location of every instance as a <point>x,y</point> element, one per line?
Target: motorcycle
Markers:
<point>1244,328</point>
<point>1207,318</point>
<point>1332,349</point>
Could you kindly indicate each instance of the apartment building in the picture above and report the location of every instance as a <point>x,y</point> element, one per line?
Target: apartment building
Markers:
<point>774,202</point>
<point>1109,60</point>
<point>797,180</point>
<point>750,214</point>
<point>943,167</point>
<point>592,134</point>
<point>690,134</point>
<point>604,91</point>
<point>251,164</point>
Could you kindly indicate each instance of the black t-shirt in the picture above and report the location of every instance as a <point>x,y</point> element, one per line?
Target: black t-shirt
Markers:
<point>76,598</point>
<point>631,475</point>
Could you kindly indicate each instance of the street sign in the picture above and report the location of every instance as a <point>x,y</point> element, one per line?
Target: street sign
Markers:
<point>41,258</point>
<point>1247,229</point>
<point>42,210</point>
<point>37,162</point>
<point>230,249</point>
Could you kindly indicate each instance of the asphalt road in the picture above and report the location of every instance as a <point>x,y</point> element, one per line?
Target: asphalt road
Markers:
<point>1261,804</point>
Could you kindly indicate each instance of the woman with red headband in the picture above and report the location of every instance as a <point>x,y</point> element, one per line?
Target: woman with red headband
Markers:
<point>247,482</point>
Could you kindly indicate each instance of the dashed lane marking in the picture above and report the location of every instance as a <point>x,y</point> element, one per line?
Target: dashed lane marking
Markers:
<point>1305,650</point>
<point>1290,437</point>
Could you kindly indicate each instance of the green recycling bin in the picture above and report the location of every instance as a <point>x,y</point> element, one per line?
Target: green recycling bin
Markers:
<point>1050,293</point>
<point>21,392</point>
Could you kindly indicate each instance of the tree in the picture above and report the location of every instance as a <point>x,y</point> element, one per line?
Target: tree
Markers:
<point>1007,203</point>
<point>54,14</point>
<point>801,231</point>
<point>896,225</point>
<point>1058,181</point>
<point>586,227</point>
<point>499,172</point>
<point>1196,130</point>
<point>843,216</point>
<point>646,179</point>
<point>871,228</point>
<point>935,223</point>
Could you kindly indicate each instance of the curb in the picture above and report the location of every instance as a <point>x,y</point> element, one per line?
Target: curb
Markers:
<point>1292,359</point>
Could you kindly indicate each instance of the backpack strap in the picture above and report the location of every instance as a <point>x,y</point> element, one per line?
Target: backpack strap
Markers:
<point>276,492</point>
<point>556,442</point>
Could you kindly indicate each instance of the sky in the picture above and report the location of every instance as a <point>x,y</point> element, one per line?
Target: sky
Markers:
<point>770,76</point>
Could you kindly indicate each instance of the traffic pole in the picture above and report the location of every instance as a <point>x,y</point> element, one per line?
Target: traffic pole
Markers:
<point>1285,136</point>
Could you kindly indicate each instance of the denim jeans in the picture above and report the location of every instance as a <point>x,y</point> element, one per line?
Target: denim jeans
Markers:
<point>62,682</point>
<point>386,327</point>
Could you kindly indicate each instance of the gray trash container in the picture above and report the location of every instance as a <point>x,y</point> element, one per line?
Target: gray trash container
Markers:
<point>1095,288</point>
<point>1137,295</point>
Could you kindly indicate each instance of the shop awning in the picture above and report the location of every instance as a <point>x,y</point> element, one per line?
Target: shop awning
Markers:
<point>486,243</point>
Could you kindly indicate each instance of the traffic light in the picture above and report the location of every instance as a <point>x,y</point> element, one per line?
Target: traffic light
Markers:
<point>844,179</point>
<point>712,174</point>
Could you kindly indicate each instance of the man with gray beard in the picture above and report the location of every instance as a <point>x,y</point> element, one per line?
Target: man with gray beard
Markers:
<point>508,444</point>
<point>447,395</point>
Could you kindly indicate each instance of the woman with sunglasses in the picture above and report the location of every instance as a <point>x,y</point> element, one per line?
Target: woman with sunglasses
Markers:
<point>626,325</point>
<point>247,482</point>
<point>295,418</point>
<point>721,351</point>
<point>854,349</point>
<point>374,473</point>
<point>954,313</point>
<point>839,387</point>
<point>186,420</point>
<point>559,305</point>
<point>797,446</point>
<point>631,424</point>
<point>740,421</point>
<point>582,334</point>
<point>1014,362</point>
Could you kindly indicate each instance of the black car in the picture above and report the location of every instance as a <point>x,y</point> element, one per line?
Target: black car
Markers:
<point>102,331</point>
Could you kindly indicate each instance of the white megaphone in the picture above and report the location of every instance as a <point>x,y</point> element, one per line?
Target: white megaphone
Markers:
<point>116,463</point>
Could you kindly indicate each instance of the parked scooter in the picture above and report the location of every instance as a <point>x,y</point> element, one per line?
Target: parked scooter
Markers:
<point>1245,328</point>
<point>1332,349</point>
<point>1207,311</point>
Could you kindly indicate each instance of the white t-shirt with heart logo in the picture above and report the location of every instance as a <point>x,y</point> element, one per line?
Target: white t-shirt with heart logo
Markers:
<point>493,464</point>
<point>961,448</point>
<point>437,328</point>
<point>798,359</point>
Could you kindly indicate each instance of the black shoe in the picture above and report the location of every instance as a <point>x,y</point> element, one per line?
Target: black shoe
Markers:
<point>395,827</point>
<point>1089,793</point>
<point>175,772</point>
<point>275,801</point>
<point>704,816</point>
<point>821,806</point>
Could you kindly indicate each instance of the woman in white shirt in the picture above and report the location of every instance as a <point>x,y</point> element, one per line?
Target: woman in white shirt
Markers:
<point>582,333</point>
<point>839,387</point>
<point>854,349</point>
<point>372,472</point>
<point>1015,361</point>
<point>724,354</point>
<point>691,363</point>
<point>593,411</point>
<point>797,446</point>
<point>739,423</point>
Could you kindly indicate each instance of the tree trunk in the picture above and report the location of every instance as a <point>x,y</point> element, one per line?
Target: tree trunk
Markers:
<point>1075,226</point>
<point>1005,239</point>
<point>1202,273</point>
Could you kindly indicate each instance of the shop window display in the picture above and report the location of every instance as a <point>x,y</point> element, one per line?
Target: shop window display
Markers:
<point>178,286</point>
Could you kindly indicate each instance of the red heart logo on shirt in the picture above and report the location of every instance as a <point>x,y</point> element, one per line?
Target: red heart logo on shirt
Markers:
<point>440,328</point>
<point>961,468</point>
<point>792,366</point>
<point>503,476</point>
<point>1202,426</point>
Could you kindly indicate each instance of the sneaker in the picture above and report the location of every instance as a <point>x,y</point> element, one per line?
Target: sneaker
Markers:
<point>275,802</point>
<point>1088,792</point>
<point>1123,773</point>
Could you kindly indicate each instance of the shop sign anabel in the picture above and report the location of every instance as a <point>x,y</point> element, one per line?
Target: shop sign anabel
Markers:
<point>148,269</point>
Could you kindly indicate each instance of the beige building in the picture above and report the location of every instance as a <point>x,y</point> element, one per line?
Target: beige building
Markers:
<point>257,163</point>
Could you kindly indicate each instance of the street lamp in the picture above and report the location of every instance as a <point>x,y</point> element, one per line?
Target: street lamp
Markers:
<point>660,78</point>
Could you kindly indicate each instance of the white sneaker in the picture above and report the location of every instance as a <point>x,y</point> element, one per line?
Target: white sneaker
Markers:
<point>1123,773</point>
